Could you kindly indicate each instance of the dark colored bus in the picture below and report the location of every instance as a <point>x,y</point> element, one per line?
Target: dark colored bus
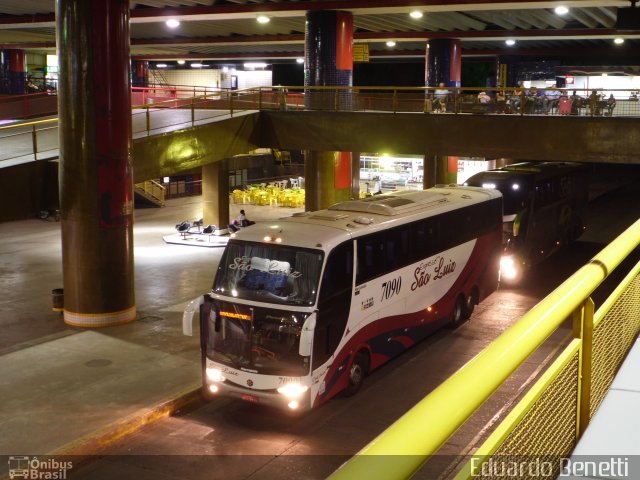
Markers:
<point>544,208</point>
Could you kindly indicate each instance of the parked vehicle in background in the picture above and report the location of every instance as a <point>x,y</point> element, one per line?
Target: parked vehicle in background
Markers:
<point>544,208</point>
<point>305,307</point>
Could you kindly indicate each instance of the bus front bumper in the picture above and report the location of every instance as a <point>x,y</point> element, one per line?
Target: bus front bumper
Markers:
<point>269,398</point>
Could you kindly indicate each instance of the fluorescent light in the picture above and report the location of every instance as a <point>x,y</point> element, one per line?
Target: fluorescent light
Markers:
<point>300,60</point>
<point>197,65</point>
<point>391,43</point>
<point>161,65</point>
<point>255,65</point>
<point>172,23</point>
<point>416,14</point>
<point>561,10</point>
<point>618,41</point>
<point>263,19</point>
<point>511,42</point>
<point>180,62</point>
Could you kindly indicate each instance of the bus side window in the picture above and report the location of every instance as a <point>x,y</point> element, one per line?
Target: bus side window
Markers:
<point>334,302</point>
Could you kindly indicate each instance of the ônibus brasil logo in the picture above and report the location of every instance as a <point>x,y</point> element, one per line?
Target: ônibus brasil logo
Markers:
<point>35,469</point>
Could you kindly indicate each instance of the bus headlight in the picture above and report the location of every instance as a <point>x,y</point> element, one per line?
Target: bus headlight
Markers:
<point>508,268</point>
<point>215,375</point>
<point>293,390</point>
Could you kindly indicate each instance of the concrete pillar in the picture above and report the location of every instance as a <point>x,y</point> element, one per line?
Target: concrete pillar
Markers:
<point>328,62</point>
<point>443,62</point>
<point>327,177</point>
<point>437,170</point>
<point>140,73</point>
<point>96,181</point>
<point>429,171</point>
<point>14,71</point>
<point>215,195</point>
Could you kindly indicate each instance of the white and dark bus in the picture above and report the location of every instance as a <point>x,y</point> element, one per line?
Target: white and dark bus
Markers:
<point>304,307</point>
<point>544,208</point>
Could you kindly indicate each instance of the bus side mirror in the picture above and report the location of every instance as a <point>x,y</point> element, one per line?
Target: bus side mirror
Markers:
<point>306,336</point>
<point>188,314</point>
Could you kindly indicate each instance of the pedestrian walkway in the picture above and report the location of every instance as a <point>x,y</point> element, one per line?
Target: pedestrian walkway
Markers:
<point>62,387</point>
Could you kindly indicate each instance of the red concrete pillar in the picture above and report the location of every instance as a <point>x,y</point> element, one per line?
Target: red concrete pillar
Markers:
<point>328,62</point>
<point>96,181</point>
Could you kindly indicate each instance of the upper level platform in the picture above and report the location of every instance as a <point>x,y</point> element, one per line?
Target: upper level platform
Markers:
<point>174,134</point>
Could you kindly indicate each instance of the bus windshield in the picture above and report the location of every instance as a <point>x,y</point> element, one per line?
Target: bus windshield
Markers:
<point>269,273</point>
<point>515,190</point>
<point>257,339</point>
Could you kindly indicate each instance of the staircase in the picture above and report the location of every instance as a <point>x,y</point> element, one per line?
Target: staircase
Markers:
<point>149,194</point>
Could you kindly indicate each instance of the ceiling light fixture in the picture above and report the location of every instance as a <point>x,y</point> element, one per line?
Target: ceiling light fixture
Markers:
<point>416,14</point>
<point>263,19</point>
<point>510,42</point>
<point>618,41</point>
<point>180,62</point>
<point>161,65</point>
<point>561,10</point>
<point>197,65</point>
<point>172,23</point>
<point>391,43</point>
<point>300,60</point>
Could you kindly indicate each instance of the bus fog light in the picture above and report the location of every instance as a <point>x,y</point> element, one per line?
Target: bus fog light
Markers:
<point>293,404</point>
<point>213,388</point>
<point>293,390</point>
<point>215,375</point>
<point>508,268</point>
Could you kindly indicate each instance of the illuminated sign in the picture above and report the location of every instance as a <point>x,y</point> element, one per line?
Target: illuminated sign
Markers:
<point>241,316</point>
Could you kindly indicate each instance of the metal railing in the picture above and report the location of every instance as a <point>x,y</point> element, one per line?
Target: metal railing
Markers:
<point>552,416</point>
<point>172,109</point>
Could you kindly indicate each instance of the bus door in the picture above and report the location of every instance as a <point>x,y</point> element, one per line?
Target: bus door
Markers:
<point>334,302</point>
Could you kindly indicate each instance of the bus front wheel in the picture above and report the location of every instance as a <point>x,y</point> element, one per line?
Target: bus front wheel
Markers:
<point>358,370</point>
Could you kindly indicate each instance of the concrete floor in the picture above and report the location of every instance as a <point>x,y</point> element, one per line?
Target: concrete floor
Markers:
<point>61,383</point>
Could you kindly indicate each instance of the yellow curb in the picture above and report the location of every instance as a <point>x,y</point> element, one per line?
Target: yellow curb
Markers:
<point>94,442</point>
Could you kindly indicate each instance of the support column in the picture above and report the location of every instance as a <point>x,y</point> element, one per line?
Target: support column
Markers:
<point>443,62</point>
<point>328,62</point>
<point>429,171</point>
<point>438,169</point>
<point>139,73</point>
<point>327,178</point>
<point>215,195</point>
<point>14,68</point>
<point>96,181</point>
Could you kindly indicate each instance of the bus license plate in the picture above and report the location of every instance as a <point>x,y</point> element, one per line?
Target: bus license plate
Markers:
<point>250,398</point>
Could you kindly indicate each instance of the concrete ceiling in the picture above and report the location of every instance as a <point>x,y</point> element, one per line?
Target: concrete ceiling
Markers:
<point>227,29</point>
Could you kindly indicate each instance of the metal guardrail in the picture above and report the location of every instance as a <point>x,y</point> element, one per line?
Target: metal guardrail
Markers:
<point>187,111</point>
<point>549,420</point>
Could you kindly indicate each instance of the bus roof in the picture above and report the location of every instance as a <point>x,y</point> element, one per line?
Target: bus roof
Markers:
<point>323,229</point>
<point>541,168</point>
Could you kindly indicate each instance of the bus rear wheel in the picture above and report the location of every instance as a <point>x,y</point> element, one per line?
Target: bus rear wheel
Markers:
<point>357,372</point>
<point>457,315</point>
<point>470,304</point>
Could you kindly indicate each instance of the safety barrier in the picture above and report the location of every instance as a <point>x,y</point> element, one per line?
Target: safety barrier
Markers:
<point>552,416</point>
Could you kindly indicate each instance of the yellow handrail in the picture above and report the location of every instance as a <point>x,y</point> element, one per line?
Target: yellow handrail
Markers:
<point>419,433</point>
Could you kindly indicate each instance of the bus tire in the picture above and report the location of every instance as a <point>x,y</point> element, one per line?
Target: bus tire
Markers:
<point>470,304</point>
<point>357,372</point>
<point>457,315</point>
